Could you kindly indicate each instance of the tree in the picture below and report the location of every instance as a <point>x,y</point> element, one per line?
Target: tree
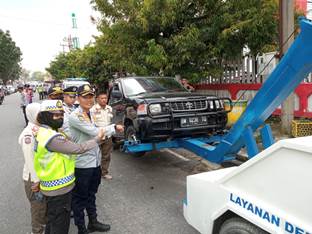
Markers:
<point>38,76</point>
<point>25,75</point>
<point>193,38</point>
<point>61,67</point>
<point>11,57</point>
<point>91,62</point>
<point>188,37</point>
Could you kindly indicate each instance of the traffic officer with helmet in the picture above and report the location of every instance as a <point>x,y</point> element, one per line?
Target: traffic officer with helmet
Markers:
<point>69,95</point>
<point>88,170</point>
<point>54,164</point>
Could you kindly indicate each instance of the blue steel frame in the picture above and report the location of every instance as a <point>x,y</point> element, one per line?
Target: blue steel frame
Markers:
<point>292,69</point>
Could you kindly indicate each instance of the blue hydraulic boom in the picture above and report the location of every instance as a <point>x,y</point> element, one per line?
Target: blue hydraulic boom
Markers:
<point>292,69</point>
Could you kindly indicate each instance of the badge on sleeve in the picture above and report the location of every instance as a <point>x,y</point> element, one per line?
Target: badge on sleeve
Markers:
<point>80,117</point>
<point>27,140</point>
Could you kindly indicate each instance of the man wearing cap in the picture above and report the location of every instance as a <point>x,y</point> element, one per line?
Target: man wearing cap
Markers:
<point>69,95</point>
<point>54,164</point>
<point>55,93</point>
<point>88,170</point>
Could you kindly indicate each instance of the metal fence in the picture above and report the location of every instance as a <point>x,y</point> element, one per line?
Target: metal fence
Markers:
<point>247,70</point>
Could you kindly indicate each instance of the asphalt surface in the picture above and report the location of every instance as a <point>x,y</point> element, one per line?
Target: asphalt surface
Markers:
<point>145,195</point>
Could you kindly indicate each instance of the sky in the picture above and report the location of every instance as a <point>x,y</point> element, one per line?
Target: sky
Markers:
<point>39,27</point>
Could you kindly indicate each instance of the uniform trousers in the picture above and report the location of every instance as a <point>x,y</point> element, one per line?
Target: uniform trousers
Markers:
<point>106,150</point>
<point>58,213</point>
<point>87,184</point>
<point>37,210</point>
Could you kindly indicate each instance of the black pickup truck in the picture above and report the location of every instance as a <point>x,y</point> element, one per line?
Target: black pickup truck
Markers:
<point>159,108</point>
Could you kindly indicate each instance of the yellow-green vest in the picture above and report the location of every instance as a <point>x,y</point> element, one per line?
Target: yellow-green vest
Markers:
<point>55,170</point>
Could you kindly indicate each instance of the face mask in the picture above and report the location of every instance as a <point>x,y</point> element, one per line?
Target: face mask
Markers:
<point>56,123</point>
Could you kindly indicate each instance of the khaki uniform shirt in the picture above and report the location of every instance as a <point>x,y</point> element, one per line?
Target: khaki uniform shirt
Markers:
<point>102,116</point>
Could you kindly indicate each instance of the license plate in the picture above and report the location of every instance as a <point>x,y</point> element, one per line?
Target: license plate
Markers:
<point>191,121</point>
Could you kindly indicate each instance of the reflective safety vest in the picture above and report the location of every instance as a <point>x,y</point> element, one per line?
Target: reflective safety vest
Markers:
<point>55,170</point>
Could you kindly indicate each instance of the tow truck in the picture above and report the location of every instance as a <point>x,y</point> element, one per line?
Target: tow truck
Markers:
<point>271,192</point>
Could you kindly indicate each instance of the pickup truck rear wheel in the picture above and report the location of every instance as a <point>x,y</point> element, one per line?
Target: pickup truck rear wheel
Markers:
<point>239,226</point>
<point>130,134</point>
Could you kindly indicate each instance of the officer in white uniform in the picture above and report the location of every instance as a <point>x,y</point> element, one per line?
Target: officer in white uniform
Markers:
<point>69,95</point>
<point>88,170</point>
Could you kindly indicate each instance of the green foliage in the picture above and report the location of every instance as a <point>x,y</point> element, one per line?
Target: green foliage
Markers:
<point>89,62</point>
<point>192,38</point>
<point>25,75</point>
<point>10,57</point>
<point>186,37</point>
<point>38,76</point>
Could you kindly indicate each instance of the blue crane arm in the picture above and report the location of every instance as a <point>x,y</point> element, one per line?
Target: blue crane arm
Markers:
<point>292,69</point>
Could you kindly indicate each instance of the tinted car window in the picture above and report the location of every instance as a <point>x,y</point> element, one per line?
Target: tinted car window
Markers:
<point>113,99</point>
<point>135,86</point>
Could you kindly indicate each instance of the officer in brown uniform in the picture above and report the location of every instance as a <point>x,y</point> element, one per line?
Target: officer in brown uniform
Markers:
<point>102,115</point>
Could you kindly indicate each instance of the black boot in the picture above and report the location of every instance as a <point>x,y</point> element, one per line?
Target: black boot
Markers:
<point>95,226</point>
<point>82,229</point>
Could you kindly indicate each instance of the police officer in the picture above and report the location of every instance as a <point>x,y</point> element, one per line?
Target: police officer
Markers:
<point>31,181</point>
<point>69,95</point>
<point>88,170</point>
<point>54,164</point>
<point>55,93</point>
<point>102,115</point>
<point>40,91</point>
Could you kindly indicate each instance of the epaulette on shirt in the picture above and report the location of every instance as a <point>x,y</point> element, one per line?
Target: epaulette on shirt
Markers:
<point>83,117</point>
<point>35,130</point>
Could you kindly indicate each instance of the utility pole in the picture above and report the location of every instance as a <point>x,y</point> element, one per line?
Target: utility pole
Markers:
<point>71,42</point>
<point>75,39</point>
<point>286,29</point>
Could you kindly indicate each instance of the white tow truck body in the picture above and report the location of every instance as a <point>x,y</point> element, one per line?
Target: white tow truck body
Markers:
<point>273,191</point>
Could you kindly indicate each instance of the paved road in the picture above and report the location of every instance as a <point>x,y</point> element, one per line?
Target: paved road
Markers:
<point>145,195</point>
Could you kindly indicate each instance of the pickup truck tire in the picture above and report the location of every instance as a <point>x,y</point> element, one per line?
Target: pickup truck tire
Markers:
<point>130,131</point>
<point>239,226</point>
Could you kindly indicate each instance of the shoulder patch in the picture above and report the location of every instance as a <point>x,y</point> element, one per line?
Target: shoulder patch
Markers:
<point>27,140</point>
<point>80,117</point>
